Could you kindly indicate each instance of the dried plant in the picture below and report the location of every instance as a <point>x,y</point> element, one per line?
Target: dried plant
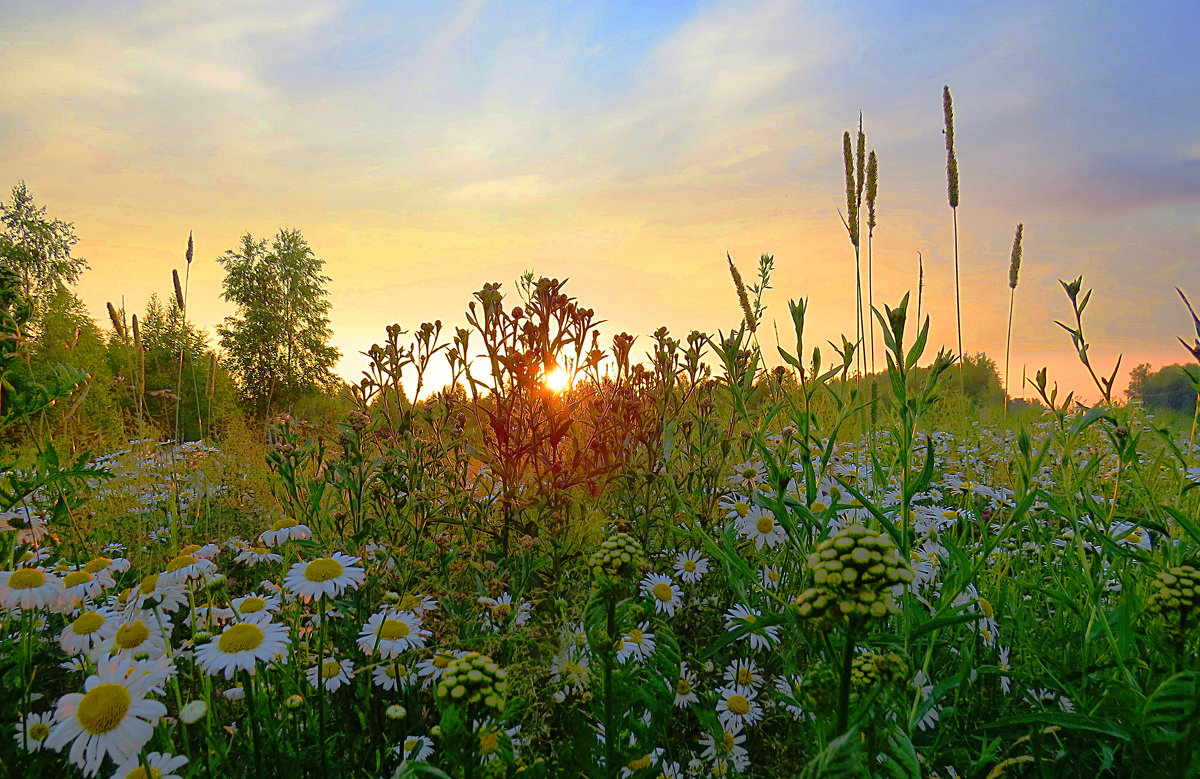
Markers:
<point>1014,269</point>
<point>952,193</point>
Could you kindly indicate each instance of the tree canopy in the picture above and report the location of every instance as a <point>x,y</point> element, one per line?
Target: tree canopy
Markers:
<point>36,247</point>
<point>275,346</point>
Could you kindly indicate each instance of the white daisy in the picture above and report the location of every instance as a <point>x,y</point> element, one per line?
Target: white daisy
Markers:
<point>325,577</point>
<point>162,766</point>
<point>392,675</point>
<point>141,636</point>
<point>32,731</point>
<point>186,567</point>
<point>685,688</point>
<point>258,554</point>
<point>742,617</point>
<point>416,602</point>
<point>739,707</point>
<point>253,606</point>
<point>82,585</point>
<point>727,746</point>
<point>431,668</point>
<point>31,588</point>
<point>666,594</point>
<point>638,644</point>
<point>111,717</point>
<point>691,566</point>
<point>332,673</point>
<point>286,529</point>
<point>742,675</point>
<point>391,632</point>
<point>760,527</point>
<point>156,591</point>
<point>791,694</point>
<point>241,646</point>
<point>87,630</point>
<point>499,612</point>
<point>415,748</point>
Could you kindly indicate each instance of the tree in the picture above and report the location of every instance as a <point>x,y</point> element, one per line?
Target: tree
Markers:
<point>275,346</point>
<point>37,248</point>
<point>1168,387</point>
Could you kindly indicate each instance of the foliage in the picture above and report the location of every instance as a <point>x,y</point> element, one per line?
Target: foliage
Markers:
<point>275,346</point>
<point>37,247</point>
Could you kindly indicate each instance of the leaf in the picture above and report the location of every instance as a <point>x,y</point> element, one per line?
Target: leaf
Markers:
<point>842,758</point>
<point>901,760</point>
<point>1170,708</point>
<point>1066,720</point>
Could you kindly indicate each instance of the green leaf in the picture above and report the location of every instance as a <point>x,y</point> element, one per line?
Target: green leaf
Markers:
<point>842,758</point>
<point>1170,709</point>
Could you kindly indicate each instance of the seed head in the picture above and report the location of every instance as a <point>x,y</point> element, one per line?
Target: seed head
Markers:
<point>1014,265</point>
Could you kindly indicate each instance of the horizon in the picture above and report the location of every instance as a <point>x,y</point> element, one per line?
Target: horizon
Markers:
<point>424,154</point>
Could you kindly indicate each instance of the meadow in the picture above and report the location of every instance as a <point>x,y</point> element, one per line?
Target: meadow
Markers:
<point>573,561</point>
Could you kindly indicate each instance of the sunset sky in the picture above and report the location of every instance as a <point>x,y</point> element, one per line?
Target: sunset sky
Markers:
<point>427,148</point>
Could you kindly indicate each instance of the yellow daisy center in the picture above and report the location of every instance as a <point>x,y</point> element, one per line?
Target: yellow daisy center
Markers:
<point>149,584</point>
<point>489,742</point>
<point>635,636</point>
<point>183,561</point>
<point>765,524</point>
<point>26,579</point>
<point>87,623</point>
<point>988,610</point>
<point>252,604</point>
<point>738,705</point>
<point>441,661</point>
<point>322,570</point>
<point>243,637</point>
<point>683,687</point>
<point>742,508</point>
<point>395,671</point>
<point>749,474</point>
<point>640,763</point>
<point>727,742</point>
<point>409,602</point>
<point>663,592</point>
<point>330,669</point>
<point>190,549</point>
<point>393,629</point>
<point>818,506</point>
<point>77,577</point>
<point>284,524</point>
<point>744,676</point>
<point>103,708</point>
<point>689,566</point>
<point>501,611</point>
<point>411,744</point>
<point>97,565</point>
<point>38,731</point>
<point>140,773</point>
<point>132,634</point>
<point>750,619</point>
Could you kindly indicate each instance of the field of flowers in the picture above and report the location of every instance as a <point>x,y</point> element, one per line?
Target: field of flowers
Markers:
<point>663,571</point>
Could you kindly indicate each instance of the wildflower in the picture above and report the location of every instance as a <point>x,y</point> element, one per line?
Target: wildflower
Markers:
<point>499,612</point>
<point>162,766</point>
<point>286,529</point>
<point>393,675</point>
<point>253,606</point>
<point>791,692</point>
<point>136,637</point>
<point>474,680</point>
<point>569,669</point>
<point>241,646</point>
<point>691,566</point>
<point>258,554</point>
<point>415,748</point>
<point>111,717</point>
<point>417,603</point>
<point>325,577</point>
<point>88,630</point>
<point>492,737</point>
<point>331,673</point>
<point>294,702</point>
<point>432,668</point>
<point>738,706</point>
<point>30,588</point>
<point>666,594</point>
<point>760,527</point>
<point>638,644</point>
<point>1005,682</point>
<point>391,632</point>
<point>81,585</point>
<point>743,675</point>
<point>185,568</point>
<point>618,556</point>
<point>742,617</point>
<point>32,731</point>
<point>736,507</point>
<point>769,577</point>
<point>157,592</point>
<point>727,746</point>
<point>685,688</point>
<point>749,476</point>
<point>396,711</point>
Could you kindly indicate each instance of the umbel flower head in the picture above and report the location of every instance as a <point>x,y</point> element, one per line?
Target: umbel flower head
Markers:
<point>618,557</point>
<point>854,572</point>
<point>475,681</point>
<point>870,670</point>
<point>1175,594</point>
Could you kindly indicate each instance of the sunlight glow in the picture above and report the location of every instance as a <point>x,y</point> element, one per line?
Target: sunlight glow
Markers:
<point>556,380</point>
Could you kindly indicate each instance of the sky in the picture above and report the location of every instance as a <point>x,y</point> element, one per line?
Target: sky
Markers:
<point>425,149</point>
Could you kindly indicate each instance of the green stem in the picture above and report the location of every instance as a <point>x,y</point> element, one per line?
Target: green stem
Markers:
<point>843,717</point>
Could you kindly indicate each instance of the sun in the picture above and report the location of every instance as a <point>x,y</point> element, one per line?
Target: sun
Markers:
<point>556,380</point>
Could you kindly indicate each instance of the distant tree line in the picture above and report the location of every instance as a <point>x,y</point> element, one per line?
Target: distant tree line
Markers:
<point>1167,388</point>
